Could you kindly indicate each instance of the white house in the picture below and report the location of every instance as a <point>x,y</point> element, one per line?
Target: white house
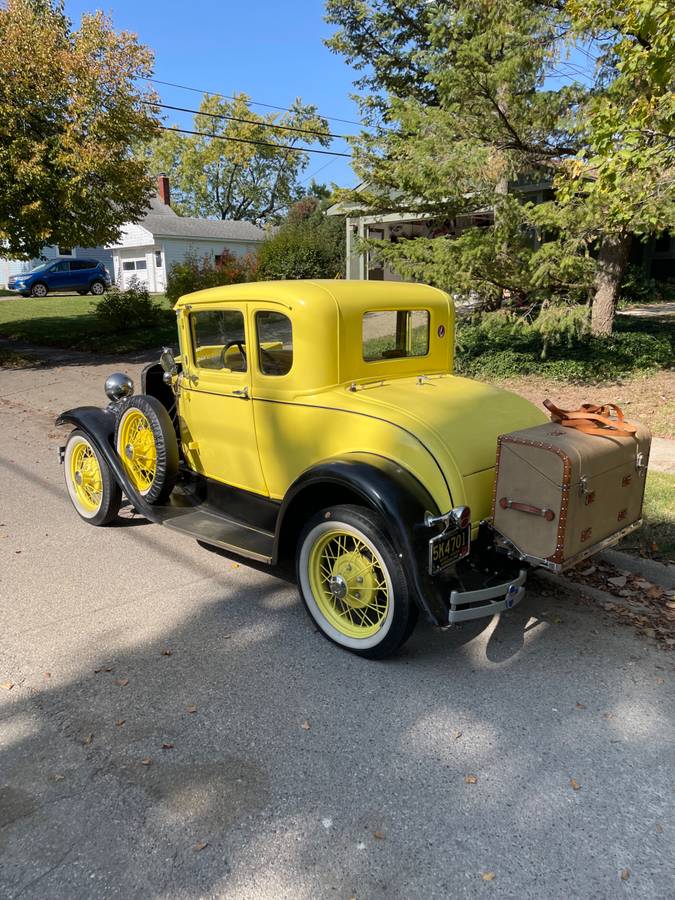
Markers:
<point>17,266</point>
<point>147,249</point>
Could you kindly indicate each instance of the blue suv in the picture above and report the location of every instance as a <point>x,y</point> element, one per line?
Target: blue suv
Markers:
<point>81,275</point>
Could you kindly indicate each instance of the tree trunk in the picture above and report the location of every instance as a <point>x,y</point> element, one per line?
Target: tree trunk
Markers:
<point>612,261</point>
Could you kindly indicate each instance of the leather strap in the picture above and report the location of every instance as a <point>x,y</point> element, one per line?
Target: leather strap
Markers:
<point>592,418</point>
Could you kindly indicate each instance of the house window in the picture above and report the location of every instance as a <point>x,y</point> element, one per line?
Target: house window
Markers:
<point>129,265</point>
<point>141,265</point>
<point>158,259</point>
<point>218,339</point>
<point>275,343</point>
<point>395,333</point>
<point>65,251</point>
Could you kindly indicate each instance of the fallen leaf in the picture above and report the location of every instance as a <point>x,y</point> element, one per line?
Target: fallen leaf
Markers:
<point>200,845</point>
<point>574,784</point>
<point>46,674</point>
<point>619,582</point>
<point>57,777</point>
<point>7,686</point>
<point>120,722</point>
<point>471,779</point>
<point>581,706</point>
<point>608,715</point>
<point>191,709</point>
<point>166,652</point>
<point>659,828</point>
<point>589,571</point>
<point>625,874</point>
<point>557,621</point>
<point>226,637</point>
<point>146,761</point>
<point>235,565</point>
<point>456,735</point>
<point>103,669</point>
<point>305,725</point>
<point>88,739</point>
<point>167,745</point>
<point>121,682</point>
<point>378,835</point>
<point>660,680</point>
<point>488,876</point>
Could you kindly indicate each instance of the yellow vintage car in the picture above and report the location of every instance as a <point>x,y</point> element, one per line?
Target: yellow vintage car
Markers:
<point>317,423</point>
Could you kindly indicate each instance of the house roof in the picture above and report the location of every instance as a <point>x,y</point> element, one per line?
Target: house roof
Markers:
<point>164,221</point>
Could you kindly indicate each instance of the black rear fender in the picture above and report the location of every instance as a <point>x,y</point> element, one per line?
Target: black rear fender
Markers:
<point>381,484</point>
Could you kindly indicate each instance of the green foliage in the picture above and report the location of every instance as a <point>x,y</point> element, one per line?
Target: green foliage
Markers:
<point>127,310</point>
<point>463,112</point>
<point>502,345</point>
<point>308,245</point>
<point>196,273</point>
<point>71,109</point>
<point>638,287</point>
<point>235,179</point>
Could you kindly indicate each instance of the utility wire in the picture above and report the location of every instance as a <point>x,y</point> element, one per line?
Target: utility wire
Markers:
<point>199,112</point>
<point>222,137</point>
<point>185,87</point>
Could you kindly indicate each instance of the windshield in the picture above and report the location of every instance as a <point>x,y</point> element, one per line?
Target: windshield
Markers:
<point>40,268</point>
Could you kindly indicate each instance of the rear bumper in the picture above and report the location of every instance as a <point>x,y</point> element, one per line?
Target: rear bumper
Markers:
<point>467,605</point>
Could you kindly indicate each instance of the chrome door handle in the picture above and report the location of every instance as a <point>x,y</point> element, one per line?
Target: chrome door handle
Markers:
<point>243,393</point>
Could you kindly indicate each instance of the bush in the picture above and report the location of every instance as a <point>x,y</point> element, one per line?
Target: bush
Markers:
<point>197,274</point>
<point>501,345</point>
<point>127,310</point>
<point>309,245</point>
<point>638,287</point>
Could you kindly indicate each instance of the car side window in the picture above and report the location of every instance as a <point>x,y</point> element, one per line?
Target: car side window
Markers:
<point>275,342</point>
<point>219,340</point>
<point>79,265</point>
<point>63,266</point>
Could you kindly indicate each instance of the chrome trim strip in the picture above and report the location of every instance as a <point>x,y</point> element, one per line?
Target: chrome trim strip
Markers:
<point>509,592</point>
<point>557,568</point>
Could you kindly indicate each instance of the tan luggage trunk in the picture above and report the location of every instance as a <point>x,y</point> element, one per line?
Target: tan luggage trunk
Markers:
<point>561,495</point>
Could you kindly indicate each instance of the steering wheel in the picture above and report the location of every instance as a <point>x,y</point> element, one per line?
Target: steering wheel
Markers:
<point>239,345</point>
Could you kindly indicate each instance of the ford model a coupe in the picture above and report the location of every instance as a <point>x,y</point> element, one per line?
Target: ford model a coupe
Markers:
<point>319,422</point>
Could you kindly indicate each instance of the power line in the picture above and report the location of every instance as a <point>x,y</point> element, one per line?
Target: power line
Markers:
<point>185,87</point>
<point>199,112</point>
<point>222,137</point>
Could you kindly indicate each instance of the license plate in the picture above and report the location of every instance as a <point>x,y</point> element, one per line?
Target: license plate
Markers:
<point>445,549</point>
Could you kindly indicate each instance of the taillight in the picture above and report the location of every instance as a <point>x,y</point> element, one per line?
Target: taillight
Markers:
<point>463,516</point>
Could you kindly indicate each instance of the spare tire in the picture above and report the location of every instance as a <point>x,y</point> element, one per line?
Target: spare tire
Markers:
<point>145,440</point>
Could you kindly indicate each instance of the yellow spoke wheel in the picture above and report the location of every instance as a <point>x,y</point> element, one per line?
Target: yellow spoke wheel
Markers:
<point>353,582</point>
<point>136,446</point>
<point>94,492</point>
<point>348,583</point>
<point>85,476</point>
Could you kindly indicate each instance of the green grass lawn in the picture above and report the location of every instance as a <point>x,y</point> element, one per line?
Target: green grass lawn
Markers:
<point>69,321</point>
<point>657,537</point>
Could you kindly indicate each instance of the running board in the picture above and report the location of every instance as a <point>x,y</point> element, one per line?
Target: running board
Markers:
<point>225,533</point>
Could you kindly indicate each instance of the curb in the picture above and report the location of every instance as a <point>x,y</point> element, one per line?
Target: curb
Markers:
<point>656,572</point>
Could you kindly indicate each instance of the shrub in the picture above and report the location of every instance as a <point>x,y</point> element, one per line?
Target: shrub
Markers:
<point>638,287</point>
<point>309,245</point>
<point>501,345</point>
<point>126,310</point>
<point>198,273</point>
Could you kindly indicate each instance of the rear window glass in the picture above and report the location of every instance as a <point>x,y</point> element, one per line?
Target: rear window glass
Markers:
<point>395,334</point>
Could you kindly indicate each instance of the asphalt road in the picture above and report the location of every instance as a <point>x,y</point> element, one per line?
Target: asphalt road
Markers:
<point>181,768</point>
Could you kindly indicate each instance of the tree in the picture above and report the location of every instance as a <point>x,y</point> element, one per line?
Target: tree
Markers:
<point>459,108</point>
<point>309,244</point>
<point>234,178</point>
<point>70,112</point>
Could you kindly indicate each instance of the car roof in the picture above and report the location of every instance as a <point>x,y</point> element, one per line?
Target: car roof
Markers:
<point>316,293</point>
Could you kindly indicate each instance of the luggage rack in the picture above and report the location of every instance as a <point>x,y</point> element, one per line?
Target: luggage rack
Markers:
<point>506,546</point>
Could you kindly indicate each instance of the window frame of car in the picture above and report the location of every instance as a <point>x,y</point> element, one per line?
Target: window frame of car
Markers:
<point>191,336</point>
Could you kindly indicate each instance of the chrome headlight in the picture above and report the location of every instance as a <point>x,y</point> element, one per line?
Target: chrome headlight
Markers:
<point>118,386</point>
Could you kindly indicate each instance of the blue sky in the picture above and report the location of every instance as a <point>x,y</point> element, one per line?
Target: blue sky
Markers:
<point>273,51</point>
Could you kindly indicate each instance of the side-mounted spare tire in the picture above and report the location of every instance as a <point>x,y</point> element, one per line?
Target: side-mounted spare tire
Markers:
<point>145,440</point>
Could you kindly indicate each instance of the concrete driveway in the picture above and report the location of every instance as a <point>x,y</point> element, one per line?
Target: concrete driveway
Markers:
<point>175,726</point>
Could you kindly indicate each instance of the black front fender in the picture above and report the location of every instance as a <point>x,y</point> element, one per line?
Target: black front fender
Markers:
<point>397,496</point>
<point>99,426</point>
